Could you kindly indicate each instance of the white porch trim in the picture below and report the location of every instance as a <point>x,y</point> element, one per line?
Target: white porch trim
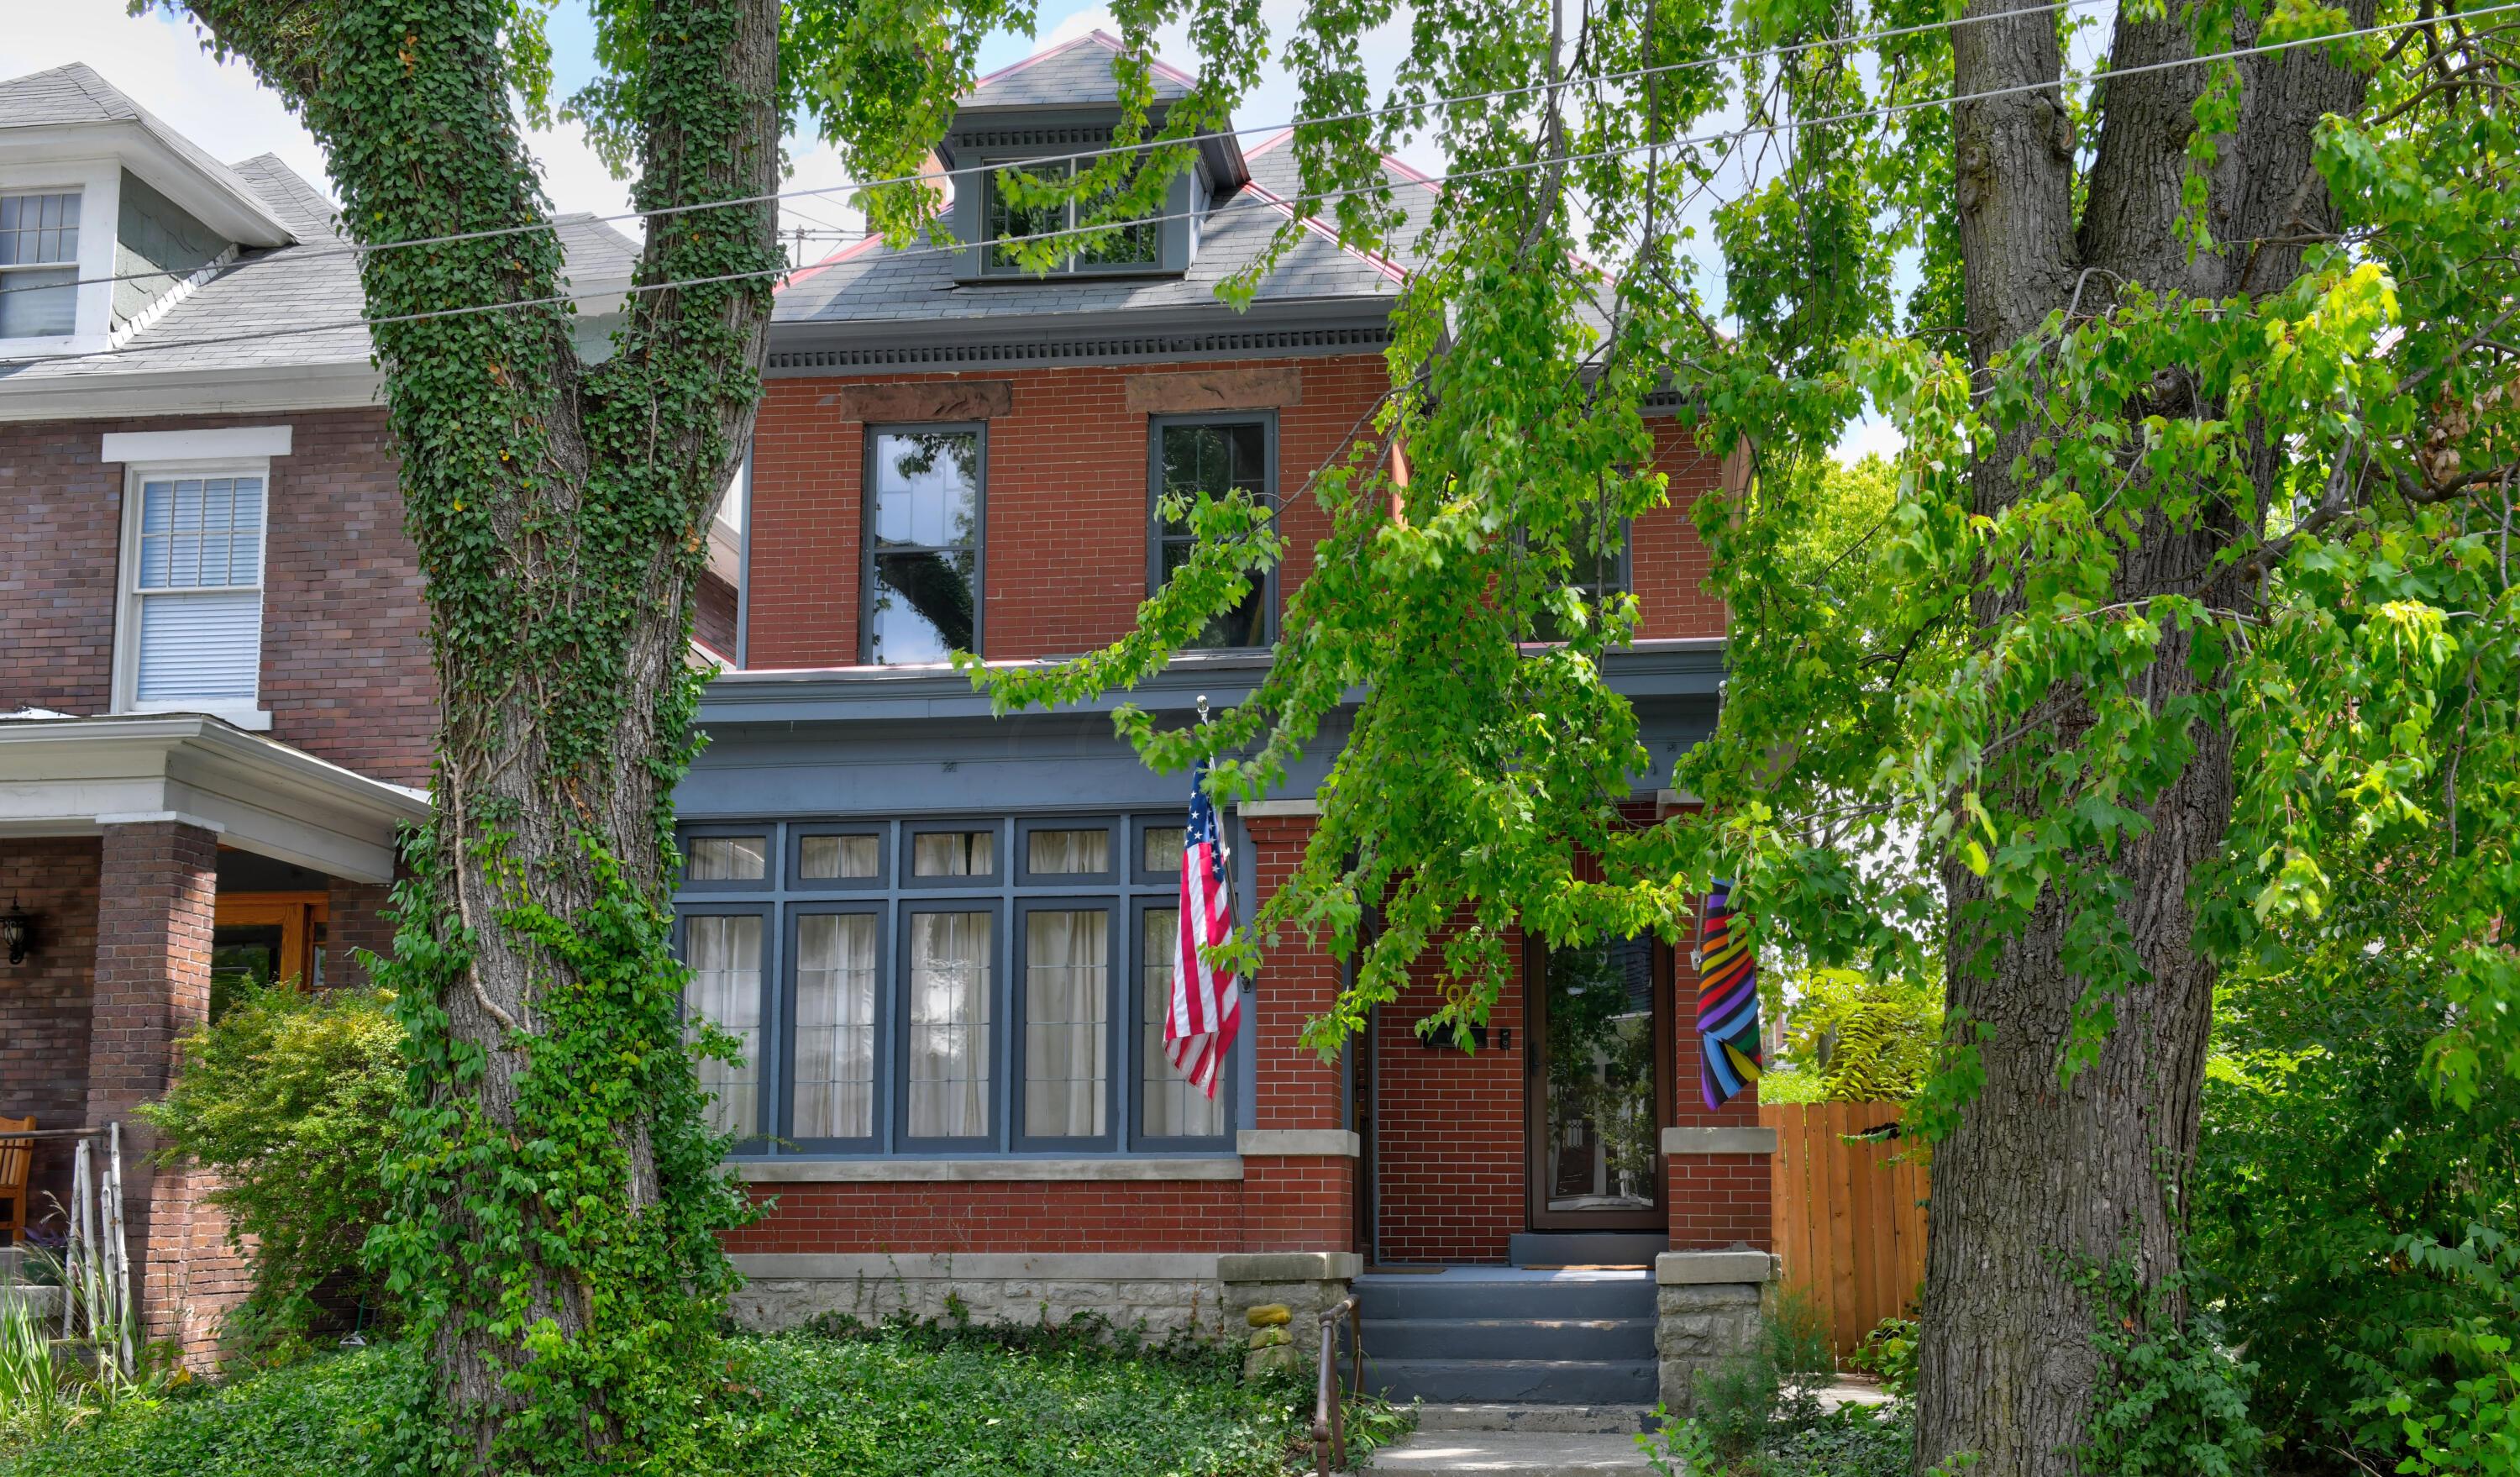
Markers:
<point>77,775</point>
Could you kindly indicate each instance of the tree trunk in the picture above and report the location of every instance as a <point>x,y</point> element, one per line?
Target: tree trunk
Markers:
<point>2043,1177</point>
<point>557,1244</point>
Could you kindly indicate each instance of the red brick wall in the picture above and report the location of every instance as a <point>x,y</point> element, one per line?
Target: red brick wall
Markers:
<point>1449,1177</point>
<point>1717,1200</point>
<point>355,919</point>
<point>1066,556</point>
<point>158,885</point>
<point>345,668</point>
<point>1667,561</point>
<point>44,1002</point>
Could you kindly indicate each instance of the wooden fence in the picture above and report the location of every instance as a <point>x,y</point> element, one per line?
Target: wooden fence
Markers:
<point>1849,1218</point>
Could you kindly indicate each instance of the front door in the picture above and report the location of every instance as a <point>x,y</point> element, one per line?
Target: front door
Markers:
<point>1600,1067</point>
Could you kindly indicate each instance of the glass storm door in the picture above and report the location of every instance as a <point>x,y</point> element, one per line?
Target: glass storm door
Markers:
<point>1599,1061</point>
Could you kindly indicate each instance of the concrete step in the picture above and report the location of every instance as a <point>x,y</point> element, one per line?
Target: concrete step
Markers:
<point>1504,1292</point>
<point>1455,1338</point>
<point>1585,1248</point>
<point>1598,1421</point>
<point>1512,1454</point>
<point>1543,1381</point>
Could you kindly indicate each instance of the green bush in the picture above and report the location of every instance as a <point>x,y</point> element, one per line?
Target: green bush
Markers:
<point>2333,1193</point>
<point>890,1402</point>
<point>290,1097</point>
<point>1888,1352</point>
<point>1774,1387</point>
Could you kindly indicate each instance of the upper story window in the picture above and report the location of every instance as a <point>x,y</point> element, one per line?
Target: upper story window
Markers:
<point>924,491</point>
<point>940,997</point>
<point>1601,571</point>
<point>39,252</point>
<point>1218,457</point>
<point>1136,246</point>
<point>194,612</point>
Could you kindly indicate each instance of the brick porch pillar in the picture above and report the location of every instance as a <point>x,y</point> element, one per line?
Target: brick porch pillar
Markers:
<point>156,903</point>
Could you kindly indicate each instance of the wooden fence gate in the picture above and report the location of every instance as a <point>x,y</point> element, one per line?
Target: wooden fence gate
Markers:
<point>1849,1218</point>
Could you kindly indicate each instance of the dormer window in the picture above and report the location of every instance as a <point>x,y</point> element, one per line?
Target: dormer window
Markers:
<point>1134,248</point>
<point>39,251</point>
<point>1052,116</point>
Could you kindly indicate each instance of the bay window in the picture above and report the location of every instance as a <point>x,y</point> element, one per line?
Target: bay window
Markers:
<point>943,987</point>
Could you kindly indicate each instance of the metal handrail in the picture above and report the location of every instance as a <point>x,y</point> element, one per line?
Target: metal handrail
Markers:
<point>1330,1415</point>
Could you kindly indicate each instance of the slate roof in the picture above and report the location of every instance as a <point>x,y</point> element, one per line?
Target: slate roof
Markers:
<point>1076,73</point>
<point>74,93</point>
<point>870,284</point>
<point>315,282</point>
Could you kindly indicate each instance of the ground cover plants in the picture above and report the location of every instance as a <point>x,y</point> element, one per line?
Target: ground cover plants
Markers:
<point>897,1400</point>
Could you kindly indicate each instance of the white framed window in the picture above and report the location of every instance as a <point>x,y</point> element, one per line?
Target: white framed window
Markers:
<point>189,633</point>
<point>39,263</point>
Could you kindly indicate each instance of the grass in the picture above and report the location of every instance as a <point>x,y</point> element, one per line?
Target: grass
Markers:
<point>884,1403</point>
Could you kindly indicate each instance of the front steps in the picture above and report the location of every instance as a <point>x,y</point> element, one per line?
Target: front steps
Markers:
<point>1513,1336</point>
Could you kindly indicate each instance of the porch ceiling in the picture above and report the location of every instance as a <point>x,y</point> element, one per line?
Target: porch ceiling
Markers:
<point>76,775</point>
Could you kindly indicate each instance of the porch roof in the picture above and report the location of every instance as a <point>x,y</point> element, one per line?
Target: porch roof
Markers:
<point>62,776</point>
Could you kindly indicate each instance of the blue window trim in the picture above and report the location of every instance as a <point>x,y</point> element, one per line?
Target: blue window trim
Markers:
<point>1116,957</point>
<point>711,905</point>
<point>783,898</point>
<point>1156,425</point>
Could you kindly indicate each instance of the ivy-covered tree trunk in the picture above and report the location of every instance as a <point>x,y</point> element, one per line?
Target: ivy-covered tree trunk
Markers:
<point>2076,1154</point>
<point>555,1244</point>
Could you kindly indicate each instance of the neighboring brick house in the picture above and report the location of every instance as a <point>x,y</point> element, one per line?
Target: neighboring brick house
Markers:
<point>931,926</point>
<point>215,693</point>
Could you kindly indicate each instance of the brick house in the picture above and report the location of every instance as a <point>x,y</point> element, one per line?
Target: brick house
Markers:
<point>932,926</point>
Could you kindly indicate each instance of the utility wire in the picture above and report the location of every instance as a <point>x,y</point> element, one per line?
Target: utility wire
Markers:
<point>356,249</point>
<point>1288,206</point>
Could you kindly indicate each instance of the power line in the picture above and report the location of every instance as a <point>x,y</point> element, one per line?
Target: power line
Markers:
<point>1288,206</point>
<point>355,249</point>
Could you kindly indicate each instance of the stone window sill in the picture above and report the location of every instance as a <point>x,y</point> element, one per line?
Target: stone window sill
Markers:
<point>802,1171</point>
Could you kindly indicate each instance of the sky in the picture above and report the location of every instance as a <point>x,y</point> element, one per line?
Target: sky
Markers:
<point>160,62</point>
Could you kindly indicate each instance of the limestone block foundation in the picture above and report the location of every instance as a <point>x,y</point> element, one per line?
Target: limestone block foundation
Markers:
<point>1202,1294</point>
<point>1707,1305</point>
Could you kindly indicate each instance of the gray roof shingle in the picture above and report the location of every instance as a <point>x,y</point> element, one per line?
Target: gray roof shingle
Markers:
<point>871,284</point>
<point>228,323</point>
<point>1079,72</point>
<point>74,93</point>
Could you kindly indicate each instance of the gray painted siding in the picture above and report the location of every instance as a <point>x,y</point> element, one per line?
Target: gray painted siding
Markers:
<point>155,235</point>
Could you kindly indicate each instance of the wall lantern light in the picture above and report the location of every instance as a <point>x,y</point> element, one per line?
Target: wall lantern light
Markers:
<point>18,931</point>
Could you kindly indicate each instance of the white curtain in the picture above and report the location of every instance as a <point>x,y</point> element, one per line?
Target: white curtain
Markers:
<point>726,990</point>
<point>837,856</point>
<point>1067,987</point>
<point>727,859</point>
<point>1054,853</point>
<point>1173,1109</point>
<point>949,1024</point>
<point>834,1027</point>
<point>952,854</point>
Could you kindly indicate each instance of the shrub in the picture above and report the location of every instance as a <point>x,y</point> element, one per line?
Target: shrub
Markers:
<point>1888,1352</point>
<point>2328,1168</point>
<point>1775,1385</point>
<point>290,1097</point>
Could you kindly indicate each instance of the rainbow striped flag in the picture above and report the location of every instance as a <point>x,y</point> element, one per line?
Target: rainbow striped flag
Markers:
<point>1727,1002</point>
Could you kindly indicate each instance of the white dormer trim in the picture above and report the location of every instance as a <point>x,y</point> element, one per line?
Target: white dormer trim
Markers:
<point>98,183</point>
<point>224,204</point>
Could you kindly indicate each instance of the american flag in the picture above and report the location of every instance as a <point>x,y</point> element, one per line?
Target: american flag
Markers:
<point>1205,1007</point>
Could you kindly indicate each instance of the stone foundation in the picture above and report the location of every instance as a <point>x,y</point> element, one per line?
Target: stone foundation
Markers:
<point>1707,1307</point>
<point>1304,1282</point>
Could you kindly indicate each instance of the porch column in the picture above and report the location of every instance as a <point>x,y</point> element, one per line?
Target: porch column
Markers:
<point>157,901</point>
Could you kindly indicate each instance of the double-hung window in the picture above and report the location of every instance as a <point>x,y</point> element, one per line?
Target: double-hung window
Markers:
<point>1131,247</point>
<point>39,254</point>
<point>1220,458</point>
<point>1598,572</point>
<point>946,986</point>
<point>924,493</point>
<point>193,593</point>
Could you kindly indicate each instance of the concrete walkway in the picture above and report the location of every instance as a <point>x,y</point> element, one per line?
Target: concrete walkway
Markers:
<point>1546,1439</point>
